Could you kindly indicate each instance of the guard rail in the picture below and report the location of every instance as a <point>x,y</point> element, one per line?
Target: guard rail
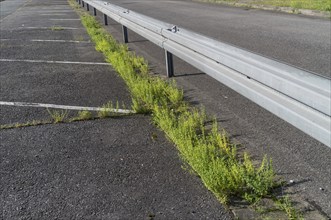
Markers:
<point>297,96</point>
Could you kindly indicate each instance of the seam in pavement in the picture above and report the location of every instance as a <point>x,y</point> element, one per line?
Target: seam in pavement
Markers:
<point>62,28</point>
<point>52,41</point>
<point>67,107</point>
<point>53,14</point>
<point>64,19</point>
<point>55,61</point>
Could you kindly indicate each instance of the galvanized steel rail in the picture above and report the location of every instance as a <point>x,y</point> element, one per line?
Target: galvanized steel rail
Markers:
<point>296,96</point>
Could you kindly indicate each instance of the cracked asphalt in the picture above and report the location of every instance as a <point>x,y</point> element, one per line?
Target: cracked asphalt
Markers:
<point>115,168</point>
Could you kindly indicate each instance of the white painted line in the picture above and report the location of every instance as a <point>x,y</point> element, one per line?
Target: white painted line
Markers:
<point>52,14</point>
<point>50,11</point>
<point>40,40</point>
<point>53,61</point>
<point>55,26</point>
<point>57,11</point>
<point>64,19</point>
<point>66,107</point>
<point>60,41</point>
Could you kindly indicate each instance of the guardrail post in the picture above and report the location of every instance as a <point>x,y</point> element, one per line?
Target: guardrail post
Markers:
<point>105,19</point>
<point>125,34</point>
<point>169,64</point>
<point>87,7</point>
<point>94,11</point>
<point>79,2</point>
<point>83,4</point>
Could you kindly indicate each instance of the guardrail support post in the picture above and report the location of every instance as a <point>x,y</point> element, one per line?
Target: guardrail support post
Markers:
<point>87,7</point>
<point>105,19</point>
<point>79,2</point>
<point>94,11</point>
<point>169,64</point>
<point>125,34</point>
<point>83,4</point>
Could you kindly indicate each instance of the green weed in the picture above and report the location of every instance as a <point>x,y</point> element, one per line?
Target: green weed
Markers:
<point>58,116</point>
<point>107,110</point>
<point>78,38</point>
<point>286,205</point>
<point>57,28</point>
<point>83,116</point>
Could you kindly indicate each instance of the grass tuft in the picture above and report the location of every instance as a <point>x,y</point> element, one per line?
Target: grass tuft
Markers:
<point>83,116</point>
<point>58,116</point>
<point>57,28</point>
<point>286,205</point>
<point>107,110</point>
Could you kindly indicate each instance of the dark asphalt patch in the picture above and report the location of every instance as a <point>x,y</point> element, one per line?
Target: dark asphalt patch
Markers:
<point>104,169</point>
<point>63,84</point>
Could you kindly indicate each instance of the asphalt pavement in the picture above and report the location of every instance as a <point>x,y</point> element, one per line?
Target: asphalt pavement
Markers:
<point>8,7</point>
<point>299,40</point>
<point>113,168</point>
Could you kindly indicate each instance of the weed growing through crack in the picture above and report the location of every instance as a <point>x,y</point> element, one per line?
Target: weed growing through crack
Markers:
<point>58,116</point>
<point>78,38</point>
<point>106,110</point>
<point>208,151</point>
<point>57,28</point>
<point>26,124</point>
<point>286,205</point>
<point>83,116</point>
<point>62,116</point>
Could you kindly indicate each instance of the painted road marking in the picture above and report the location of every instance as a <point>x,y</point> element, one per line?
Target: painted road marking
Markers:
<point>55,61</point>
<point>65,107</point>
<point>60,41</point>
<point>40,40</point>
<point>64,19</point>
<point>50,11</point>
<point>58,11</point>
<point>51,14</point>
<point>55,26</point>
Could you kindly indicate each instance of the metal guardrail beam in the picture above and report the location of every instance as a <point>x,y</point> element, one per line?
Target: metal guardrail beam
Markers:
<point>296,96</point>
